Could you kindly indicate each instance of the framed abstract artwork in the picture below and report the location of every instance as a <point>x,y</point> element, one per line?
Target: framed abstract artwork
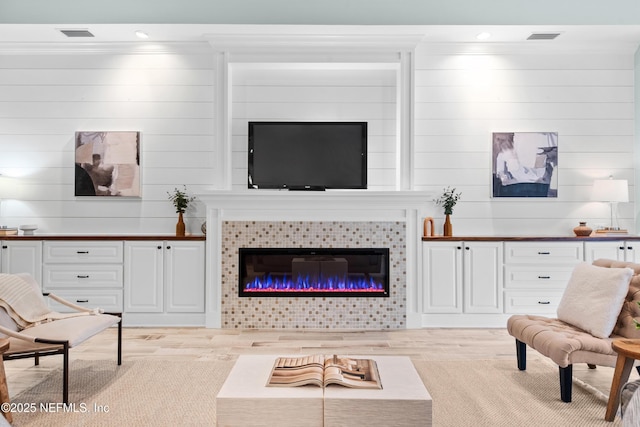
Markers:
<point>525,164</point>
<point>107,164</point>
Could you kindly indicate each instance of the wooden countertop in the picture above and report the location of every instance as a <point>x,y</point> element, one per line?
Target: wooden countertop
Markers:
<point>102,237</point>
<point>592,238</point>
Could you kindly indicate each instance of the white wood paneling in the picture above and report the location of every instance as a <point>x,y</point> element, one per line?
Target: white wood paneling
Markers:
<point>461,99</point>
<point>45,99</point>
<point>312,93</point>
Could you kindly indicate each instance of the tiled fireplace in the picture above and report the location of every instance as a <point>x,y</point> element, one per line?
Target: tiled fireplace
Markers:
<point>315,312</point>
<point>276,219</point>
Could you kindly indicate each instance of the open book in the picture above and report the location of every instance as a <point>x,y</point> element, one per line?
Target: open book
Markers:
<point>322,370</point>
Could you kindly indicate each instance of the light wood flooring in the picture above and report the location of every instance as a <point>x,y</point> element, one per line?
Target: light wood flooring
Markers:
<point>465,345</point>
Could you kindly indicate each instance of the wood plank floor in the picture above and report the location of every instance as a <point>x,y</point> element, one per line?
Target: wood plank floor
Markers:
<point>465,345</point>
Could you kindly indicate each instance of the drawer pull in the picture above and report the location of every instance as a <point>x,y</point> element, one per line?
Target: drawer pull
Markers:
<point>82,300</point>
<point>544,302</point>
<point>82,252</point>
<point>621,248</point>
<point>544,277</point>
<point>544,253</point>
<point>82,276</point>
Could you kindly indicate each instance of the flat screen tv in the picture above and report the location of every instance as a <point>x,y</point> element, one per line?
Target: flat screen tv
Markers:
<point>308,155</point>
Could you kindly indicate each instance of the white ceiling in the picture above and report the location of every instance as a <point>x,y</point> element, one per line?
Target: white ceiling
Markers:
<point>618,35</point>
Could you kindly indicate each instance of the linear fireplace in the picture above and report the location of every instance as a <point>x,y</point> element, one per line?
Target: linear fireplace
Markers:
<point>335,272</point>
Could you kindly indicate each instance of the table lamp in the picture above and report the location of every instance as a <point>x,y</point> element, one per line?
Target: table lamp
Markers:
<point>612,191</point>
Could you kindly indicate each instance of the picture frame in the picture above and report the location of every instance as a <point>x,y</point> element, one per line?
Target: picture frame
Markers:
<point>107,164</point>
<point>524,164</point>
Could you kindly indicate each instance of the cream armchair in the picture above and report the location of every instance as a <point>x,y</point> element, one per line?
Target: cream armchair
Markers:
<point>56,336</point>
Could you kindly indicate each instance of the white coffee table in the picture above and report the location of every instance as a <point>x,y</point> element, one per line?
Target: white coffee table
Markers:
<point>244,399</point>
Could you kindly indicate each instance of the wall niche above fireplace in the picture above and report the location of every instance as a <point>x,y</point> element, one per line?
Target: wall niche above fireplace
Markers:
<point>313,272</point>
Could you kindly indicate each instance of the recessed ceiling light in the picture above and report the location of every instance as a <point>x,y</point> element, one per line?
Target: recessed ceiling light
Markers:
<point>483,36</point>
<point>142,34</point>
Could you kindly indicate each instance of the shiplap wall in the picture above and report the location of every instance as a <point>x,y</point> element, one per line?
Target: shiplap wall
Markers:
<point>460,99</point>
<point>309,94</point>
<point>45,98</point>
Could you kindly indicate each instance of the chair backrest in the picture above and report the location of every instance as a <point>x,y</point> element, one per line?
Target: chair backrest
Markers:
<point>5,319</point>
<point>625,326</point>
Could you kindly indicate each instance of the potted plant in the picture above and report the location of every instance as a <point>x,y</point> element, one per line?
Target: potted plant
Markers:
<point>448,200</point>
<point>180,200</point>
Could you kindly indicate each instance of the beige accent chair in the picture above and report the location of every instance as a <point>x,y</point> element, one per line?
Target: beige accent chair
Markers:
<point>566,344</point>
<point>55,337</point>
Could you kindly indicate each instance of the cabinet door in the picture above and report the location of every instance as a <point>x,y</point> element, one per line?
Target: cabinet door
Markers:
<point>184,277</point>
<point>442,277</point>
<point>610,250</point>
<point>143,277</point>
<point>22,257</point>
<point>483,277</point>
<point>631,253</point>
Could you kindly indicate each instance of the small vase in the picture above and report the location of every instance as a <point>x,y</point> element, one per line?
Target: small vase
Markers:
<point>180,227</point>
<point>448,228</point>
<point>582,230</point>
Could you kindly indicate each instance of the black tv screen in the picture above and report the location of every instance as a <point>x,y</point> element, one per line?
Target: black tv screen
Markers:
<point>308,155</point>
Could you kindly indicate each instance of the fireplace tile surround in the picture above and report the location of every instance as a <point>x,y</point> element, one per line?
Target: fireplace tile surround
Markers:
<point>331,219</point>
<point>313,312</point>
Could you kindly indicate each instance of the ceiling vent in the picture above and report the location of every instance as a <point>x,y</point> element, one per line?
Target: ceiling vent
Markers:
<point>77,33</point>
<point>543,36</point>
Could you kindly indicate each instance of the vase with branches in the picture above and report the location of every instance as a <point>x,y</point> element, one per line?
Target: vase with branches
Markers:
<point>448,200</point>
<point>181,201</point>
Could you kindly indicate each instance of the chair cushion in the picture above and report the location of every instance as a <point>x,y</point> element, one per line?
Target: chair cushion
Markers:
<point>75,329</point>
<point>563,343</point>
<point>593,298</point>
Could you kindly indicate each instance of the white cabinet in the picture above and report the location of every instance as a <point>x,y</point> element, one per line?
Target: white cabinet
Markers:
<point>536,274</point>
<point>462,277</point>
<point>88,273</point>
<point>620,250</point>
<point>164,282</point>
<point>22,257</point>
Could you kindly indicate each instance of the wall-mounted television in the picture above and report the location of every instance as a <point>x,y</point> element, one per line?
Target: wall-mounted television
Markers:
<point>308,155</point>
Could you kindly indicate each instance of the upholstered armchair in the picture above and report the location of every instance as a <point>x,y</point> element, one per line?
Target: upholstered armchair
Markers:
<point>54,335</point>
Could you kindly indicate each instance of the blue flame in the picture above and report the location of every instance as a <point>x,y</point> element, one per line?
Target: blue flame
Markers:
<point>311,284</point>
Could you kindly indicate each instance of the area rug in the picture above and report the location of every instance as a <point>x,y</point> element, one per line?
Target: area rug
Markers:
<point>495,393</point>
<point>170,393</point>
<point>140,393</point>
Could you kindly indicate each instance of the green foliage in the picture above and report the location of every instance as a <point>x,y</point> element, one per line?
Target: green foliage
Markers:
<point>180,199</point>
<point>634,320</point>
<point>448,200</point>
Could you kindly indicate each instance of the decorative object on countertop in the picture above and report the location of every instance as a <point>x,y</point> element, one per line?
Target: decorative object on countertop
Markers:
<point>613,191</point>
<point>28,229</point>
<point>203,228</point>
<point>180,200</point>
<point>428,223</point>
<point>8,231</point>
<point>582,230</point>
<point>448,200</point>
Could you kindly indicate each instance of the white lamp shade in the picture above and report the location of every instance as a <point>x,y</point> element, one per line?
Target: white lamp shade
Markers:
<point>610,190</point>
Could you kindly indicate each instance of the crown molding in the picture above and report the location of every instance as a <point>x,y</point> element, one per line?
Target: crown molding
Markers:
<point>306,42</point>
<point>528,47</point>
<point>84,48</point>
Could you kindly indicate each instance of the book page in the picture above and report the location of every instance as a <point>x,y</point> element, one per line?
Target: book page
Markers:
<point>355,373</point>
<point>292,372</point>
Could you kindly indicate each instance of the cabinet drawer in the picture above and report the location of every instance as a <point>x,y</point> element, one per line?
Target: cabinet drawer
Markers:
<point>81,276</point>
<point>106,299</point>
<point>543,253</point>
<point>83,252</point>
<point>531,302</point>
<point>543,277</point>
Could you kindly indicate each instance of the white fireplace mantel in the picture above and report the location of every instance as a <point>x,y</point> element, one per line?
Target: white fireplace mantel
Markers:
<point>332,205</point>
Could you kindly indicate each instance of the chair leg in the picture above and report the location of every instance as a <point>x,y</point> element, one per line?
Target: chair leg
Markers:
<point>65,374</point>
<point>36,358</point>
<point>521,354</point>
<point>566,382</point>
<point>120,341</point>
